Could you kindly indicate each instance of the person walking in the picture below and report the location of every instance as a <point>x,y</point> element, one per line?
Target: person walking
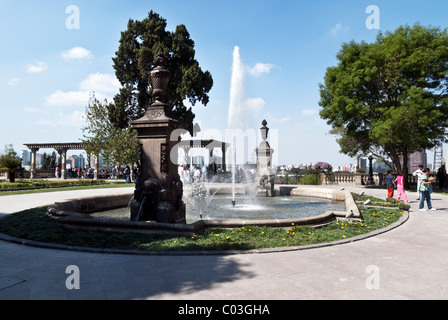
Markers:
<point>400,188</point>
<point>441,175</point>
<point>390,184</point>
<point>424,190</point>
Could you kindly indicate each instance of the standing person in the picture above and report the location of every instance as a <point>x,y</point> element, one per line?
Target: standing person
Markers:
<point>390,184</point>
<point>441,176</point>
<point>424,190</point>
<point>419,174</point>
<point>180,172</point>
<point>127,174</point>
<point>400,187</point>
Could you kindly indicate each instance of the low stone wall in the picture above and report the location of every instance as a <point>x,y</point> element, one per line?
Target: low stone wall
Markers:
<point>90,204</point>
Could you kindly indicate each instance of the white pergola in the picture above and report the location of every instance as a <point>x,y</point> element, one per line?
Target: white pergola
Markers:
<point>62,149</point>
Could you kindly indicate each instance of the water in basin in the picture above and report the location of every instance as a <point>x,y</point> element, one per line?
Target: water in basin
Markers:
<point>259,208</point>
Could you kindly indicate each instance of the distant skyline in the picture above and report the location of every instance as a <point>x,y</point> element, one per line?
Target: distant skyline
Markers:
<point>55,53</point>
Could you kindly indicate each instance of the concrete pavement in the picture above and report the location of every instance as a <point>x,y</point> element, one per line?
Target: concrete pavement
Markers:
<point>408,262</point>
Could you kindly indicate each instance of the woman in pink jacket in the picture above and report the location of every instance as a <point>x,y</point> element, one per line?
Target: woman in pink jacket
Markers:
<point>400,188</point>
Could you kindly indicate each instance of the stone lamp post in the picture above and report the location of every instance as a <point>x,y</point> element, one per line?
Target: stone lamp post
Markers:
<point>265,174</point>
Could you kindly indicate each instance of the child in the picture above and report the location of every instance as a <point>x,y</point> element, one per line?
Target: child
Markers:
<point>400,187</point>
<point>390,184</point>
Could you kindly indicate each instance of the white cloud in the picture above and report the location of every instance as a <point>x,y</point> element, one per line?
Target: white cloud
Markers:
<point>309,112</point>
<point>13,82</point>
<point>71,98</point>
<point>37,68</point>
<point>99,82</point>
<point>34,110</point>
<point>336,30</point>
<point>253,105</point>
<point>281,120</point>
<point>77,53</point>
<point>74,119</point>
<point>260,68</point>
<point>102,84</point>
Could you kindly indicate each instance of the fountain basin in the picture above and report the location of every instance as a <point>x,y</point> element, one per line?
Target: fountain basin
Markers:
<point>76,213</point>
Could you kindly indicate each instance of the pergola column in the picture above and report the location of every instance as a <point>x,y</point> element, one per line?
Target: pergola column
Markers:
<point>62,161</point>
<point>64,164</point>
<point>224,149</point>
<point>96,166</point>
<point>33,162</point>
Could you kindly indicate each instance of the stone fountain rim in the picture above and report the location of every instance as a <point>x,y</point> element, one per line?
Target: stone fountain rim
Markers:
<point>76,213</point>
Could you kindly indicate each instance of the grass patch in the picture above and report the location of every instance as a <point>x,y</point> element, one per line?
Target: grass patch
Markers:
<point>34,224</point>
<point>36,186</point>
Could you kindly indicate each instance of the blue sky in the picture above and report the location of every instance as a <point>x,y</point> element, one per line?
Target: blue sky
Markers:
<point>47,70</point>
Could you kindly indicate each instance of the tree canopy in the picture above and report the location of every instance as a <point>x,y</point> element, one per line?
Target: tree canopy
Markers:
<point>115,145</point>
<point>134,60</point>
<point>389,97</point>
<point>10,162</point>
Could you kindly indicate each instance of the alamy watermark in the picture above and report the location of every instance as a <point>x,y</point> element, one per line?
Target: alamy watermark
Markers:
<point>373,280</point>
<point>241,144</point>
<point>373,20</point>
<point>73,21</point>
<point>73,279</point>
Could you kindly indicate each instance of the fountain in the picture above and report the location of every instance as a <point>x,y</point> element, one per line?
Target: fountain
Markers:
<point>157,203</point>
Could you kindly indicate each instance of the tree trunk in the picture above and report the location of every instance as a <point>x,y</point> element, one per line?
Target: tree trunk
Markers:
<point>12,176</point>
<point>405,169</point>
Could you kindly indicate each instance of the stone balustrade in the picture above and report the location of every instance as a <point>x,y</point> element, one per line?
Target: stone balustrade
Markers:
<point>358,179</point>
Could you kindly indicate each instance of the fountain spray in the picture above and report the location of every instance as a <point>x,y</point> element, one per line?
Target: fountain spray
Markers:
<point>235,119</point>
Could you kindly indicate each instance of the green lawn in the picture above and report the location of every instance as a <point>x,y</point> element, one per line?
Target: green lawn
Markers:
<point>36,186</point>
<point>34,224</point>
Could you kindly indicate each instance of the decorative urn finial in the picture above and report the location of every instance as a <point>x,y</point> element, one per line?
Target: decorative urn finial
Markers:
<point>160,78</point>
<point>264,130</point>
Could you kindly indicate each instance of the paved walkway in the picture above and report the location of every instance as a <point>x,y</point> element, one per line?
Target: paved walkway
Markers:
<point>408,262</point>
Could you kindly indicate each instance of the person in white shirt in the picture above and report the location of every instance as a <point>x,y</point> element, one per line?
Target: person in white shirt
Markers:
<point>419,174</point>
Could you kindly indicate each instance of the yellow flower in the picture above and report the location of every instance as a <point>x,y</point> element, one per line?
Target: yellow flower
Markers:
<point>216,235</point>
<point>262,232</point>
<point>174,241</point>
<point>292,223</point>
<point>227,238</point>
<point>284,239</point>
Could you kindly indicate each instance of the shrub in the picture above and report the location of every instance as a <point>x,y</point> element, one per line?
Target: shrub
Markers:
<point>311,179</point>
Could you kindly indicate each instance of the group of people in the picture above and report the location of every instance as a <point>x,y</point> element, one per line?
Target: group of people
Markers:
<point>72,173</point>
<point>116,173</point>
<point>424,187</point>
<point>194,174</point>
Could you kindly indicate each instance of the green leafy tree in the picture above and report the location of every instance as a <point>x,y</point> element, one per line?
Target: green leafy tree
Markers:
<point>101,137</point>
<point>49,161</point>
<point>134,60</point>
<point>10,162</point>
<point>389,97</point>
